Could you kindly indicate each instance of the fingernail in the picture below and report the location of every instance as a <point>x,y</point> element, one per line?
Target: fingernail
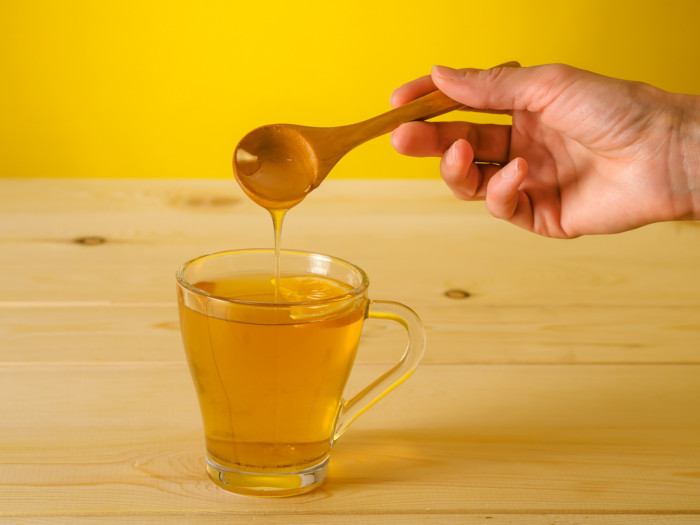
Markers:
<point>392,139</point>
<point>451,156</point>
<point>446,72</point>
<point>392,103</point>
<point>510,170</point>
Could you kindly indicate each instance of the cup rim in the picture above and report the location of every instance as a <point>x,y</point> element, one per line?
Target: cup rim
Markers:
<point>358,290</point>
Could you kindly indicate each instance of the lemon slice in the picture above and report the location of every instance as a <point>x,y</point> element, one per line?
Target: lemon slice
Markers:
<point>302,289</point>
<point>317,294</point>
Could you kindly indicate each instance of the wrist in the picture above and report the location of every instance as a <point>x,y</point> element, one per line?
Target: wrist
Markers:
<point>689,152</point>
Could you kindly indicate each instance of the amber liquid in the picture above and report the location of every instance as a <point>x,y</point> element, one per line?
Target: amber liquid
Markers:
<point>277,220</point>
<point>270,382</point>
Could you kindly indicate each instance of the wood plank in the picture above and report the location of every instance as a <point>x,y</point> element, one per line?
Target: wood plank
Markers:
<point>151,227</point>
<point>458,332</point>
<point>591,439</point>
<point>427,518</point>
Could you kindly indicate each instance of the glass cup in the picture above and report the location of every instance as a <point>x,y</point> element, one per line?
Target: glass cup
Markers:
<point>270,374</point>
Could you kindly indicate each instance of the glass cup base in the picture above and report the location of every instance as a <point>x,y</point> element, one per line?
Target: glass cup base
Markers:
<point>267,484</point>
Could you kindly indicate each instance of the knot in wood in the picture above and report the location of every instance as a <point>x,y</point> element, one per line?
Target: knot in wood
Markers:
<point>90,240</point>
<point>457,293</point>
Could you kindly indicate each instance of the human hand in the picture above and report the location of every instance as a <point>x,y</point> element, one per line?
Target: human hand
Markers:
<point>585,153</point>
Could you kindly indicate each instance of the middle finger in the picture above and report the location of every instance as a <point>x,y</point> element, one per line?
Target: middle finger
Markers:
<point>490,142</point>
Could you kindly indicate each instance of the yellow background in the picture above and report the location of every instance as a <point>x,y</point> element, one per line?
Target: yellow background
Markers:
<point>167,88</point>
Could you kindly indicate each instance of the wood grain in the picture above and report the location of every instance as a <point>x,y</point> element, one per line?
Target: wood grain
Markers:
<point>427,239</point>
<point>561,382</point>
<point>556,439</point>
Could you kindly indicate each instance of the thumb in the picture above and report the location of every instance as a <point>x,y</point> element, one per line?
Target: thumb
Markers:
<point>505,88</point>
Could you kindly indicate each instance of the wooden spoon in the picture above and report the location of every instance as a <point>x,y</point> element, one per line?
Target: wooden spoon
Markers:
<point>279,164</point>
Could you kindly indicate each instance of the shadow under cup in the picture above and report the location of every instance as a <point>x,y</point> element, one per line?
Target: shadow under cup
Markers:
<point>270,367</point>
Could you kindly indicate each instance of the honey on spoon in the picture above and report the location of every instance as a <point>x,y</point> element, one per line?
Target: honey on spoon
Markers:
<point>279,164</point>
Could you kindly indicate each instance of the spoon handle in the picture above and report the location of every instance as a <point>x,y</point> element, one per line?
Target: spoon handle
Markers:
<point>428,106</point>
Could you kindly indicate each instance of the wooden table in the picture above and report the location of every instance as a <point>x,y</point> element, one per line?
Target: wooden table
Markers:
<point>561,382</point>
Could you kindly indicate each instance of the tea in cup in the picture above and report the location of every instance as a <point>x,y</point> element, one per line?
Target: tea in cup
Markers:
<point>270,357</point>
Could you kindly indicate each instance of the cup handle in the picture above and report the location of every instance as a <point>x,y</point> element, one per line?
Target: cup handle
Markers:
<point>350,410</point>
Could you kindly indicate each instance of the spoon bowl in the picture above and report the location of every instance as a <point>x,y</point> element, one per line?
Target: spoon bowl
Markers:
<point>276,165</point>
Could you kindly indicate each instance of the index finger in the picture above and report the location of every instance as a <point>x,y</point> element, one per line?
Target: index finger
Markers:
<point>424,85</point>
